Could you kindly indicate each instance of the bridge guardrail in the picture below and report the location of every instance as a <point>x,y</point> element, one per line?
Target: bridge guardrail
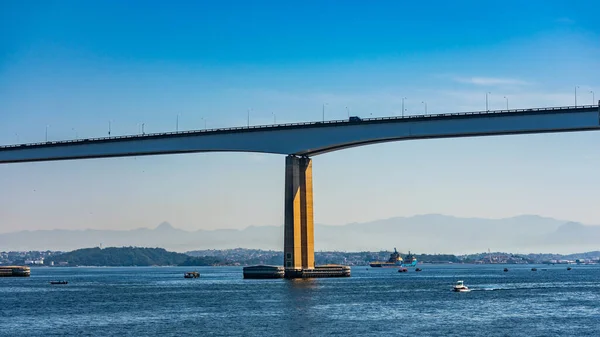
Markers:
<point>339,121</point>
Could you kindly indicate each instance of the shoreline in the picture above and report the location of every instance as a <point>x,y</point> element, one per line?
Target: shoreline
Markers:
<point>351,266</point>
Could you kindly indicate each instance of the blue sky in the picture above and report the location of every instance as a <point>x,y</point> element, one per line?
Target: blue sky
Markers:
<point>75,66</point>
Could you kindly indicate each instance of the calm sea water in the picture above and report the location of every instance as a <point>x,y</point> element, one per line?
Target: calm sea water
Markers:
<point>373,302</point>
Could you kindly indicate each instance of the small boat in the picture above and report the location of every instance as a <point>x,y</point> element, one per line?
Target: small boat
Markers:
<point>505,269</point>
<point>533,269</point>
<point>402,270</point>
<point>59,282</point>
<point>568,268</point>
<point>418,269</point>
<point>192,274</point>
<point>460,287</point>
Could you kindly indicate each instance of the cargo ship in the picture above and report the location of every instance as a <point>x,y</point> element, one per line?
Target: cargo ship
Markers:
<point>396,260</point>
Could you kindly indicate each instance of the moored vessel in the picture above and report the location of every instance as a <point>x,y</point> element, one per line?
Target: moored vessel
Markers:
<point>396,260</point>
<point>410,260</point>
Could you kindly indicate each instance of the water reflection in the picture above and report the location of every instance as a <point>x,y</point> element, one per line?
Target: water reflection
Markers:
<point>299,299</point>
<point>302,283</point>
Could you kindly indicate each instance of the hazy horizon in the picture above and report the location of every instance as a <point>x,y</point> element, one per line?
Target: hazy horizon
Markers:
<point>430,233</point>
<point>157,224</point>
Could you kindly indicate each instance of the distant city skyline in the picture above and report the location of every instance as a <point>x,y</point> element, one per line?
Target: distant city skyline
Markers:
<point>70,69</point>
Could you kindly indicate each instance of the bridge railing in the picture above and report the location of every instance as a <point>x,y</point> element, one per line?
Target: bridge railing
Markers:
<point>270,126</point>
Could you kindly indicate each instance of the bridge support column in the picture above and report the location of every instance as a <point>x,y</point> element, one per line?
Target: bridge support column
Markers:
<point>299,248</point>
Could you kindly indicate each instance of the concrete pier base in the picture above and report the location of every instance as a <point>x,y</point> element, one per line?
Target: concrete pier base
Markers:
<point>276,272</point>
<point>15,271</point>
<point>319,271</point>
<point>263,272</point>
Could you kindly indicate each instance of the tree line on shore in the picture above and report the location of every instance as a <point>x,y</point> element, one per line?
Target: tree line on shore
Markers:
<point>129,256</point>
<point>140,256</point>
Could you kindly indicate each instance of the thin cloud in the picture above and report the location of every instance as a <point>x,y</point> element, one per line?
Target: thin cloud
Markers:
<point>490,81</point>
<point>475,101</point>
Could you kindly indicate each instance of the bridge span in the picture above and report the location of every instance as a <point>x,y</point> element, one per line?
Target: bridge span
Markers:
<point>313,138</point>
<point>300,141</point>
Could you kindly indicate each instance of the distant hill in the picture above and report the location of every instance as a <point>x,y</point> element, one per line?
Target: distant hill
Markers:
<point>431,233</point>
<point>129,256</point>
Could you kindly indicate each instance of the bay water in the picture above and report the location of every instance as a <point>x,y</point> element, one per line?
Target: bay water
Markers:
<point>159,301</point>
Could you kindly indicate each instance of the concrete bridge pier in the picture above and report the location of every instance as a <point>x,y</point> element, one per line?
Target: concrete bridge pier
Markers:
<point>299,227</point>
<point>299,242</point>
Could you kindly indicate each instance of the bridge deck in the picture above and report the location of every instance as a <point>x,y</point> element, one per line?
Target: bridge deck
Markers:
<point>313,138</point>
<point>338,122</point>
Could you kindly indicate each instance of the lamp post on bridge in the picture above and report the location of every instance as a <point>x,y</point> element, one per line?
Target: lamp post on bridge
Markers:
<point>76,136</point>
<point>47,126</point>
<point>486,101</point>
<point>506,98</point>
<point>576,87</point>
<point>109,127</point>
<point>16,134</point>
<point>593,97</point>
<point>249,117</point>
<point>274,118</point>
<point>425,107</point>
<point>348,112</point>
<point>202,118</point>
<point>177,124</point>
<point>324,104</point>
<point>403,98</point>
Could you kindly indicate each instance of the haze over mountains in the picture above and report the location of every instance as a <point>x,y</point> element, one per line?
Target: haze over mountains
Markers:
<point>431,233</point>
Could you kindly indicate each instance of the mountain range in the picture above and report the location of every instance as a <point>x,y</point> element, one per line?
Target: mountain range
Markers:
<point>430,233</point>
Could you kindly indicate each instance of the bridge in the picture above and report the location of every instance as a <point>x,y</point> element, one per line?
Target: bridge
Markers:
<point>302,141</point>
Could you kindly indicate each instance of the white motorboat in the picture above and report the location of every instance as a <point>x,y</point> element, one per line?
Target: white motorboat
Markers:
<point>460,287</point>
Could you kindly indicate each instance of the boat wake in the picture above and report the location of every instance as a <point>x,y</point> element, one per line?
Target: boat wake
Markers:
<point>516,287</point>
<point>490,289</point>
